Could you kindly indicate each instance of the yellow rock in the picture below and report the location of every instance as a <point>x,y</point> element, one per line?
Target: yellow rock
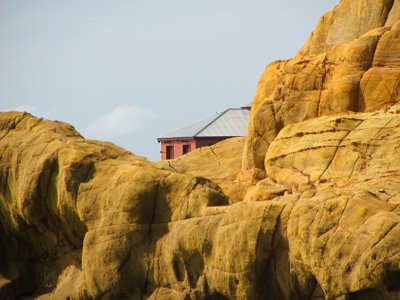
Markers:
<point>220,163</point>
<point>100,222</point>
<point>350,63</point>
<point>82,219</point>
<point>349,20</point>
<point>61,194</point>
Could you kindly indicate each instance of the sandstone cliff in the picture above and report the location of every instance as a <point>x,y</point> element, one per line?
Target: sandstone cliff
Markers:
<point>82,219</point>
<point>85,219</point>
<point>350,63</point>
<point>318,219</point>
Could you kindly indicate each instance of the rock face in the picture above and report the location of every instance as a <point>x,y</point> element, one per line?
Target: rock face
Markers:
<point>348,21</point>
<point>342,183</point>
<point>220,163</point>
<point>82,219</point>
<point>350,63</point>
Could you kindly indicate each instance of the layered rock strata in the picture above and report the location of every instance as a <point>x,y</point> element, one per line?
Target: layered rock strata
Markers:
<point>85,219</point>
<point>82,219</point>
<point>350,63</point>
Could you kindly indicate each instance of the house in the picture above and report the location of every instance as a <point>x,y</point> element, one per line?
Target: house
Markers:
<point>232,122</point>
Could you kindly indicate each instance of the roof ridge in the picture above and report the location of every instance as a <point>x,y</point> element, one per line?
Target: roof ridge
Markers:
<point>212,122</point>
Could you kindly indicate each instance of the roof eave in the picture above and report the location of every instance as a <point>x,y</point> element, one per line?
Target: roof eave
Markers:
<point>174,138</point>
<point>197,137</point>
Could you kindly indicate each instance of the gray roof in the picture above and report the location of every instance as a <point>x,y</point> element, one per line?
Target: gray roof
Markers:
<point>231,122</point>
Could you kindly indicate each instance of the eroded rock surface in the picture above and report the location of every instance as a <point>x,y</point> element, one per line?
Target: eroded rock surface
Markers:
<point>220,163</point>
<point>83,219</point>
<point>350,63</point>
<point>341,176</point>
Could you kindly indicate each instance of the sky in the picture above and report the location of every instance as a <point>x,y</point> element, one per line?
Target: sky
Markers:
<point>129,71</point>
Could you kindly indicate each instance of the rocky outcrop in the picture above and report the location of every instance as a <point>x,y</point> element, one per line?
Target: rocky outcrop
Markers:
<point>81,219</point>
<point>341,177</point>
<point>220,163</point>
<point>350,63</point>
<point>318,219</point>
<point>348,21</point>
<point>84,219</point>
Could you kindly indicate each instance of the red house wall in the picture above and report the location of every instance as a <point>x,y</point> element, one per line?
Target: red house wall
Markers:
<point>194,144</point>
<point>178,147</point>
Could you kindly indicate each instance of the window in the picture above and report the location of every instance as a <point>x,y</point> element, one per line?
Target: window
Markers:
<point>170,152</point>
<point>185,149</point>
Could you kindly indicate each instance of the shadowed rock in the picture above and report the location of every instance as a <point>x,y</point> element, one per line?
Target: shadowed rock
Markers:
<point>318,218</point>
<point>85,219</point>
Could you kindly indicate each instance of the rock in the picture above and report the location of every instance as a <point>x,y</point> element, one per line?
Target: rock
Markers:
<point>265,190</point>
<point>89,212</point>
<point>103,223</point>
<point>345,148</point>
<point>348,21</point>
<point>380,84</point>
<point>220,163</point>
<point>316,214</point>
<point>334,73</point>
<point>394,14</point>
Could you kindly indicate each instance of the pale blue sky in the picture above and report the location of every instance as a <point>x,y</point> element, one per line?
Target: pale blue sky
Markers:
<point>130,71</point>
